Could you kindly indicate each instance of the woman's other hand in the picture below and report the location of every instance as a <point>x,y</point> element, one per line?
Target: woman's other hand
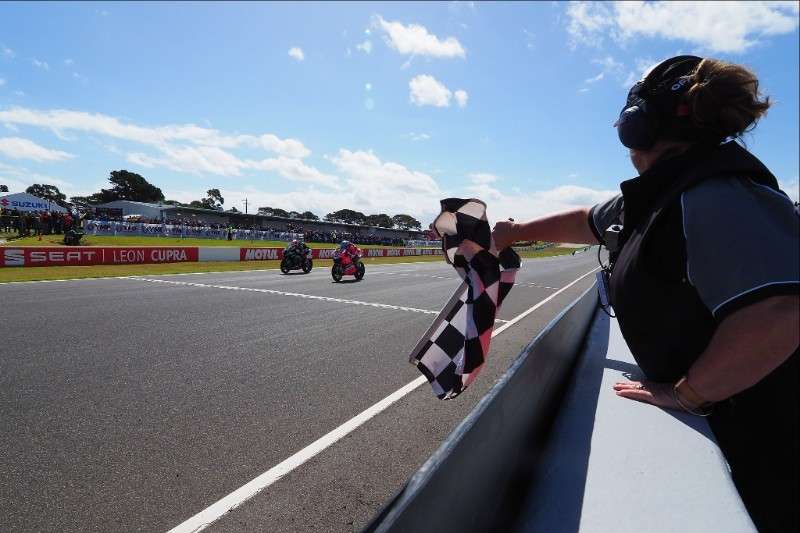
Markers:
<point>505,234</point>
<point>659,394</point>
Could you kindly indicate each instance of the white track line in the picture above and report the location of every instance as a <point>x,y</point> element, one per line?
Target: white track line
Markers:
<point>294,294</point>
<point>215,511</point>
<point>283,293</point>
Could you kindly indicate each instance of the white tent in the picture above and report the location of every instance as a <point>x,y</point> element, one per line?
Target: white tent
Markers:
<point>23,201</point>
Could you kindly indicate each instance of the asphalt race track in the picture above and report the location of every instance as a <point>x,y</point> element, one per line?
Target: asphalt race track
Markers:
<point>133,404</point>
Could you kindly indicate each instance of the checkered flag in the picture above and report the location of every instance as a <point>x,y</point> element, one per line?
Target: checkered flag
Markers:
<point>452,352</point>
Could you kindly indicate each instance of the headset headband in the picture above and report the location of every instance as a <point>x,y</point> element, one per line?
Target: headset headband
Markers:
<point>657,79</point>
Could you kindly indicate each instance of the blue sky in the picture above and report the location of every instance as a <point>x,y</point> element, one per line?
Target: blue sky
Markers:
<point>381,107</point>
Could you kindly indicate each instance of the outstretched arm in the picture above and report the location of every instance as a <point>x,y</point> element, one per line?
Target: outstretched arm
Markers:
<point>567,226</point>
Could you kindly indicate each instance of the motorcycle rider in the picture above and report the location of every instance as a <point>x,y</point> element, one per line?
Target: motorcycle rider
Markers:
<point>349,249</point>
<point>296,247</point>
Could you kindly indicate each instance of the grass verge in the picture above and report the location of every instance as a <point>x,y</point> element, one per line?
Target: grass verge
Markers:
<point>105,271</point>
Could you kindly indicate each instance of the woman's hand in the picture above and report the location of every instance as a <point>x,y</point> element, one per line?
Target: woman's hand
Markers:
<point>659,394</point>
<point>505,234</point>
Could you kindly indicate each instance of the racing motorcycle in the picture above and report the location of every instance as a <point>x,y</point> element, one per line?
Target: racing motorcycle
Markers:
<point>344,265</point>
<point>296,261</point>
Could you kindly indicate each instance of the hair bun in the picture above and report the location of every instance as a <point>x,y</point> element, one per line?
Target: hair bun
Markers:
<point>723,99</point>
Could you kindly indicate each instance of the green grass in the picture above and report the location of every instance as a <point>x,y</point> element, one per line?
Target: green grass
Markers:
<point>105,271</point>
<point>549,252</point>
<point>92,240</point>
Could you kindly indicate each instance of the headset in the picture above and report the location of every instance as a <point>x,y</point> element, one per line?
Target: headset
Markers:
<point>654,102</point>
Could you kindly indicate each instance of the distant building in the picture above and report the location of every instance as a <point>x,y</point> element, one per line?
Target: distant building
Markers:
<point>143,209</point>
<point>23,201</point>
<point>171,213</point>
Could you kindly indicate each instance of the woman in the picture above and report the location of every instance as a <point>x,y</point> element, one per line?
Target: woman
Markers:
<point>704,280</point>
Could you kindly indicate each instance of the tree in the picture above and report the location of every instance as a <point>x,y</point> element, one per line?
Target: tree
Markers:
<point>347,216</point>
<point>80,201</point>
<point>406,222</point>
<point>128,186</point>
<point>308,215</point>
<point>214,198</point>
<point>382,221</point>
<point>233,210</point>
<point>272,212</point>
<point>3,188</point>
<point>48,192</point>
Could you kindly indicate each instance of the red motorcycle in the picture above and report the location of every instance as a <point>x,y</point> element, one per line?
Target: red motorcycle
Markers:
<point>346,265</point>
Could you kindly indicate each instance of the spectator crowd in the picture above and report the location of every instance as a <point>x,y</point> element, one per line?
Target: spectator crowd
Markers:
<point>27,223</point>
<point>193,227</point>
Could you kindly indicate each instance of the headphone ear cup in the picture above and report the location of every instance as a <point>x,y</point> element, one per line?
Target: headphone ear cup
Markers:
<point>636,127</point>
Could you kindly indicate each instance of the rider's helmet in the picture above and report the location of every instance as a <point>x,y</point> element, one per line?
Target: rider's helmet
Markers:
<point>344,244</point>
<point>294,243</point>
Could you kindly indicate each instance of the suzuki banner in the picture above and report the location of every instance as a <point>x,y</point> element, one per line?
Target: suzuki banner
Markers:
<point>107,255</point>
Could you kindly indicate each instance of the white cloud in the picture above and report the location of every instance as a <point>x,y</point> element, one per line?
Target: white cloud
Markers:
<point>18,148</point>
<point>297,53</point>
<point>6,52</point>
<point>716,26</point>
<point>20,178</point>
<point>427,90</point>
<point>479,178</point>
<point>61,120</point>
<point>40,64</point>
<point>370,185</point>
<point>461,97</point>
<point>416,40</point>
<point>597,78</point>
<point>69,62</point>
<point>529,39</point>
<point>19,93</point>
<point>525,206</point>
<point>367,86</point>
<point>2,82</point>
<point>294,170</point>
<point>365,47</point>
<point>417,136</point>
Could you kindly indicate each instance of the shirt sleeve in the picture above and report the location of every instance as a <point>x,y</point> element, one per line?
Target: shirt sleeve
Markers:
<point>605,214</point>
<point>742,243</point>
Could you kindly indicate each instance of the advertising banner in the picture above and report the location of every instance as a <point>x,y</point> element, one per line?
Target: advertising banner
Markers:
<point>139,255</point>
<point>85,256</point>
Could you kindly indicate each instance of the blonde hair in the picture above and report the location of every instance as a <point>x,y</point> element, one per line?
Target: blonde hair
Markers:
<point>723,99</point>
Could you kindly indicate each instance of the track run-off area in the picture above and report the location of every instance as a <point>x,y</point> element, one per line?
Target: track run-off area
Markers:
<point>236,401</point>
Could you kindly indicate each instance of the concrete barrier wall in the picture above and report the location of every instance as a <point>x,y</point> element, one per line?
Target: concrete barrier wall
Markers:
<point>473,482</point>
<point>531,459</point>
<point>36,256</point>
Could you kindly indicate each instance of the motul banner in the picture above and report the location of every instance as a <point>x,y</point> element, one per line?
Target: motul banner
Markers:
<point>261,254</point>
<point>265,254</point>
<point>84,256</point>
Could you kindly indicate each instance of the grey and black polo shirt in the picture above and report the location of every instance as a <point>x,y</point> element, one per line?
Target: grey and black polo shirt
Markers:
<point>741,241</point>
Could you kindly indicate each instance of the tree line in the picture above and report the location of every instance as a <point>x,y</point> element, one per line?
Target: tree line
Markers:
<point>131,186</point>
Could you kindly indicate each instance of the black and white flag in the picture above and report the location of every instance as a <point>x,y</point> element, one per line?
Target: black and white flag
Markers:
<point>453,350</point>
